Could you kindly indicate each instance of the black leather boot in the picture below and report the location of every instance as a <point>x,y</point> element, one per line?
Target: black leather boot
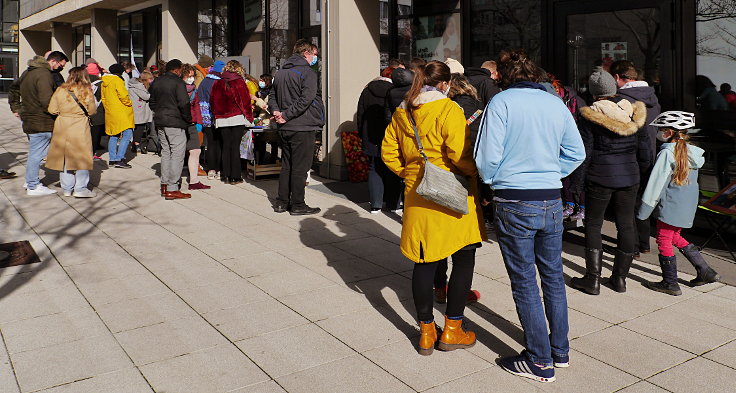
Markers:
<point>706,274</point>
<point>590,283</point>
<point>669,283</point>
<point>621,265</point>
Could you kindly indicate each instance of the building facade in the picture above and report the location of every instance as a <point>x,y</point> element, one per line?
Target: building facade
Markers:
<point>671,41</point>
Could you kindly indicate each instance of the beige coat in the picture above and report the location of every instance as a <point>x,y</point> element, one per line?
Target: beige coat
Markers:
<point>71,142</point>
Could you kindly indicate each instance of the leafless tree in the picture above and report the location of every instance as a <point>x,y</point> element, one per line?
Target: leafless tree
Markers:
<point>716,34</point>
<point>523,18</point>
<point>712,10</point>
<point>644,25</point>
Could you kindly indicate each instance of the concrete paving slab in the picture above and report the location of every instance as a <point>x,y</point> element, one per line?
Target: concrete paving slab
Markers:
<point>226,250</point>
<point>349,270</point>
<point>184,277</point>
<point>128,380</point>
<point>643,387</point>
<point>263,387</point>
<point>487,380</point>
<point>681,331</point>
<point>223,295</point>
<point>725,355</point>
<point>36,304</point>
<point>587,374</point>
<point>219,369</point>
<point>326,302</point>
<point>630,351</point>
<point>725,291</point>
<point>71,362</point>
<point>258,264</point>
<point>291,350</point>
<point>714,309</point>
<point>697,375</point>
<point>254,319</point>
<point>8,383</point>
<point>145,311</point>
<point>297,280</point>
<point>123,288</point>
<point>363,376</point>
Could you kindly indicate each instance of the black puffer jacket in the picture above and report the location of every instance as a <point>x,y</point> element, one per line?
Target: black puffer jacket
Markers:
<point>170,102</point>
<point>646,95</point>
<point>296,93</point>
<point>480,78</point>
<point>402,79</point>
<point>372,115</point>
<point>470,105</point>
<point>616,151</point>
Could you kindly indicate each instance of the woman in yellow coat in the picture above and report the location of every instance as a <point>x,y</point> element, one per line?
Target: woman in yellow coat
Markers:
<point>69,150</point>
<point>430,233</point>
<point>119,119</point>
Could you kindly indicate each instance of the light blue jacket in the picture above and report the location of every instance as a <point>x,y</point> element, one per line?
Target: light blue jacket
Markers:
<point>672,204</point>
<point>528,139</point>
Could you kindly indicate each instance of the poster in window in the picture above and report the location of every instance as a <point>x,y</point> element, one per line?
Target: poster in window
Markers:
<point>437,37</point>
<point>613,51</point>
<point>724,201</point>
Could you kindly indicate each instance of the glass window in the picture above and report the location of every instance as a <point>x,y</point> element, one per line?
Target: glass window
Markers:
<point>10,10</point>
<point>283,21</point>
<point>716,55</point>
<point>124,38</point>
<point>137,40</point>
<point>503,24</point>
<point>204,28</point>
<point>221,29</point>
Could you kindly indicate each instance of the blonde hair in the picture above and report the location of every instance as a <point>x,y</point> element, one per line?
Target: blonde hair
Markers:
<point>682,162</point>
<point>459,85</point>
<point>78,82</point>
<point>236,67</point>
<point>145,78</point>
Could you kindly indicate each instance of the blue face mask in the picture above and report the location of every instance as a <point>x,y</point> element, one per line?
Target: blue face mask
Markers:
<point>262,84</point>
<point>314,61</point>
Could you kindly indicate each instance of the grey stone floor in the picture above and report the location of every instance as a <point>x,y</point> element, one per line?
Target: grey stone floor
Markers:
<point>220,294</point>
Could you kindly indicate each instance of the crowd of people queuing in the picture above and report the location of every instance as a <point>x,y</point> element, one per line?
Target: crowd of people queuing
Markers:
<point>534,153</point>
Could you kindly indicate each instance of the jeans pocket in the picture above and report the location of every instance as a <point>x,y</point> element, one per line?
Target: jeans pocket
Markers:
<point>557,218</point>
<point>516,222</point>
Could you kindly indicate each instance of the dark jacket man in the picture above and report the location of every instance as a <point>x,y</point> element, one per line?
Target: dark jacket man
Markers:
<point>297,95</point>
<point>481,79</point>
<point>170,102</point>
<point>402,80</point>
<point>372,115</point>
<point>646,95</point>
<point>35,86</point>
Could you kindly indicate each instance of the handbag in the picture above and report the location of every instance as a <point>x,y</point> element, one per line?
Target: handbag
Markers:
<point>440,186</point>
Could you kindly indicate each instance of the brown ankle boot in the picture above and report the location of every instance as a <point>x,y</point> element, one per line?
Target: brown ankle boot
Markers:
<point>454,337</point>
<point>428,338</point>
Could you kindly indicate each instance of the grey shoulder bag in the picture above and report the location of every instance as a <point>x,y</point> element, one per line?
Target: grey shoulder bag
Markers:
<point>440,186</point>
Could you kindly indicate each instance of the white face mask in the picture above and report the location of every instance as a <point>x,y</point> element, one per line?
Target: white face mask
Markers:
<point>189,81</point>
<point>660,136</point>
<point>447,90</point>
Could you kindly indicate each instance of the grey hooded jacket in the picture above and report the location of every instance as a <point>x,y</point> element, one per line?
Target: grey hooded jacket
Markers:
<point>139,96</point>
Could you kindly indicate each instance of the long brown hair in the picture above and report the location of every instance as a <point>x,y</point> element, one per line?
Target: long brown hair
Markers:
<point>432,74</point>
<point>78,82</point>
<point>515,66</point>
<point>682,162</point>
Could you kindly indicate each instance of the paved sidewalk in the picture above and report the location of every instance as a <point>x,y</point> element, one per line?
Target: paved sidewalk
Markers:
<point>220,294</point>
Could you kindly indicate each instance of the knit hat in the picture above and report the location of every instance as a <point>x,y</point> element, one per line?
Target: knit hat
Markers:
<point>602,84</point>
<point>218,66</point>
<point>455,66</point>
<point>116,69</point>
<point>90,61</point>
<point>205,61</point>
<point>93,69</point>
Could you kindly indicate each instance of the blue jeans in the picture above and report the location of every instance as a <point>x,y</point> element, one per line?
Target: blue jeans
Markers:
<point>117,150</point>
<point>530,234</point>
<point>38,147</point>
<point>74,180</point>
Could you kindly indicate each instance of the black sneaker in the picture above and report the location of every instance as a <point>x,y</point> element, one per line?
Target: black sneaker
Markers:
<point>279,208</point>
<point>304,211</point>
<point>123,164</point>
<point>375,210</point>
<point>561,361</point>
<point>524,367</point>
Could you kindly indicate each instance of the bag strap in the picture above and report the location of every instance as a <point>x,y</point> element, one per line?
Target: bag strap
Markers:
<point>71,93</point>
<point>416,135</point>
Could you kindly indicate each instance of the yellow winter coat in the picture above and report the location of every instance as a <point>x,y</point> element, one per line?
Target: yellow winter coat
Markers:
<point>437,231</point>
<point>118,107</point>
<point>71,139</point>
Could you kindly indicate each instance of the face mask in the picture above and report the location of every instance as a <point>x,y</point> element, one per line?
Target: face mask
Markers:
<point>314,60</point>
<point>262,84</point>
<point>660,136</point>
<point>189,81</point>
<point>446,91</point>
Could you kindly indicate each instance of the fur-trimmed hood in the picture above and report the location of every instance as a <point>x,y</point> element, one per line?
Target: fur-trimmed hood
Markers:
<point>622,117</point>
<point>425,97</point>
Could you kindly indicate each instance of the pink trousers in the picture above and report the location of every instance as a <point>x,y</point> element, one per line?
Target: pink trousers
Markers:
<point>668,236</point>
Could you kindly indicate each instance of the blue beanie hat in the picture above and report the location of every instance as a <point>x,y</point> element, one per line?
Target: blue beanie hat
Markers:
<point>218,66</point>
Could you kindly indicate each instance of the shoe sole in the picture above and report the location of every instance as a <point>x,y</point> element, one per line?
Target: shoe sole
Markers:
<point>530,376</point>
<point>451,347</point>
<point>426,351</point>
<point>303,214</point>
<point>562,365</point>
<point>694,283</point>
<point>657,289</point>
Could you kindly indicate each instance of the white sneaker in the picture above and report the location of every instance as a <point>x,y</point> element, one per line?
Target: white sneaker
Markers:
<point>84,193</point>
<point>67,193</point>
<point>211,175</point>
<point>40,190</point>
<point>25,185</point>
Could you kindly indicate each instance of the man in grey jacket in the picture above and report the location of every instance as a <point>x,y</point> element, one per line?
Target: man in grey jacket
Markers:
<point>296,103</point>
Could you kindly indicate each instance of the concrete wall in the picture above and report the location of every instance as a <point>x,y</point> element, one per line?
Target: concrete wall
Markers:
<point>62,39</point>
<point>351,58</point>
<point>179,30</point>
<point>105,36</point>
<point>32,43</point>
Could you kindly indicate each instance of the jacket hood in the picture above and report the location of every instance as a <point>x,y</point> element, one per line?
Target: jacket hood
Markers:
<point>427,97</point>
<point>645,94</point>
<point>230,76</point>
<point>379,87</point>
<point>109,79</point>
<point>402,77</point>
<point>39,62</point>
<point>622,117</point>
<point>295,60</point>
<point>694,154</point>
<point>135,83</point>
<point>476,71</point>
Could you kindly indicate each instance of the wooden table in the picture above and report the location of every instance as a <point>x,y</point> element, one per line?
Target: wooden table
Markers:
<point>255,167</point>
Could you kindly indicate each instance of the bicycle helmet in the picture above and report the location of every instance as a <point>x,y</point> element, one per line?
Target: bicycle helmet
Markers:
<point>675,119</point>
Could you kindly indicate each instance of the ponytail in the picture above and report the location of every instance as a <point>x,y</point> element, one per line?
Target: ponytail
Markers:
<point>431,74</point>
<point>682,163</point>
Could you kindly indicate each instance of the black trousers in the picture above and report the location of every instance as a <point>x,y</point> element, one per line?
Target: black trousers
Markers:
<point>97,131</point>
<point>213,154</point>
<point>138,132</point>
<point>597,199</point>
<point>383,185</point>
<point>297,153</point>
<point>231,137</point>
<point>461,279</point>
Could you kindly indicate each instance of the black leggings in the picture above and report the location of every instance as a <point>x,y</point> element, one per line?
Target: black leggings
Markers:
<point>231,166</point>
<point>597,199</point>
<point>461,279</point>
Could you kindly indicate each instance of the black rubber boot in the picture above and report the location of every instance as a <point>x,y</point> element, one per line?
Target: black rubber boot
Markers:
<point>706,274</point>
<point>590,283</point>
<point>669,283</point>
<point>621,265</point>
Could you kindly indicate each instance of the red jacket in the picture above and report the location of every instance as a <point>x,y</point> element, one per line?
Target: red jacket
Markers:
<point>194,104</point>
<point>230,97</point>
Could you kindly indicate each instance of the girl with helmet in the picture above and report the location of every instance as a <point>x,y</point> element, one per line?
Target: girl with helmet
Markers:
<point>673,192</point>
